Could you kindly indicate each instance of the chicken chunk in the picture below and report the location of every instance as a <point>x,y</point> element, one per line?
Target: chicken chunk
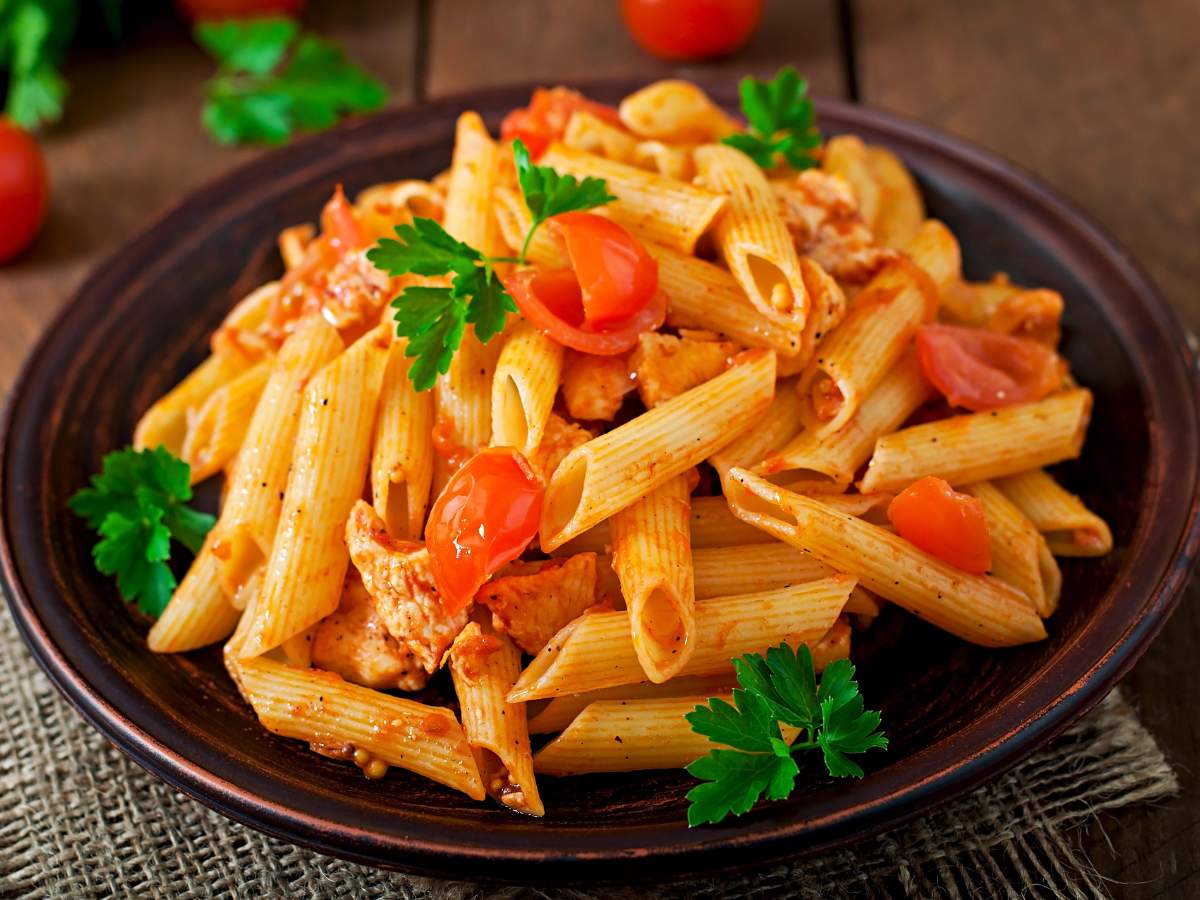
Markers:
<point>667,366</point>
<point>398,578</point>
<point>559,439</point>
<point>353,642</point>
<point>593,387</point>
<point>530,607</point>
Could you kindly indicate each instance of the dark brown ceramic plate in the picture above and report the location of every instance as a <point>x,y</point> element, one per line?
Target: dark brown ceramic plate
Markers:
<point>957,715</point>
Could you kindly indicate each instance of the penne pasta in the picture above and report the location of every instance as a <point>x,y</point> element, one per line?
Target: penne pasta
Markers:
<point>523,390</point>
<point>165,423</point>
<point>402,449</point>
<point>777,425</point>
<point>596,649</point>
<point>199,613</point>
<point>610,472</point>
<point>308,561</point>
<point>901,209</point>
<point>245,531</point>
<point>216,431</point>
<point>845,155</point>
<point>982,445</point>
<point>293,242</point>
<point>558,713</point>
<point>976,608</point>
<point>752,237</point>
<point>484,667</point>
<point>875,333</point>
<point>669,160</point>
<point>652,556</point>
<point>588,132</point>
<point>823,461</point>
<point>1070,528</point>
<point>935,250</point>
<point>1017,556</point>
<point>674,213</point>
<point>675,111</point>
<point>342,719</point>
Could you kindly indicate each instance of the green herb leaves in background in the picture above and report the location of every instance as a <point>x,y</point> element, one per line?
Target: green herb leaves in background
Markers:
<point>435,318</point>
<point>34,35</point>
<point>137,504</point>
<point>780,687</point>
<point>781,120</point>
<point>275,80</point>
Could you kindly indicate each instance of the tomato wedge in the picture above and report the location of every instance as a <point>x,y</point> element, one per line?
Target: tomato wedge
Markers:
<point>553,301</point>
<point>616,274</point>
<point>981,370</point>
<point>339,222</point>
<point>544,120</point>
<point>944,523</point>
<point>484,518</point>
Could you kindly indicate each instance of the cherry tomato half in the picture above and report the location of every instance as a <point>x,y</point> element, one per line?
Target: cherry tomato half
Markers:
<point>944,523</point>
<point>196,10</point>
<point>553,301</point>
<point>981,370</point>
<point>339,222</point>
<point>616,274</point>
<point>544,120</point>
<point>23,189</point>
<point>691,29</point>
<point>484,518</point>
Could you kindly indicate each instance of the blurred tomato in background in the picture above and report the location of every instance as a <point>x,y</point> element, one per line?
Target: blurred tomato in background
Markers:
<point>691,29</point>
<point>23,189</point>
<point>226,9</point>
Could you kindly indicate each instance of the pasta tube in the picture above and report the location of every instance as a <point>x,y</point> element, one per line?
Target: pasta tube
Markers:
<point>1070,528</point>
<point>484,667</point>
<point>1018,556</point>
<point>596,649</point>
<point>976,608</point>
<point>935,250</point>
<point>559,712</point>
<point>611,471</point>
<point>165,422</point>
<point>321,708</point>
<point>776,426</point>
<point>591,134</point>
<point>752,236</point>
<point>824,461</point>
<point>216,431</point>
<point>524,388</point>
<point>675,111</point>
<point>402,450</point>
<point>870,340</point>
<point>660,209</point>
<point>901,209</point>
<point>308,560</point>
<point>199,613</point>
<point>652,556</point>
<point>983,445</point>
<point>245,532</point>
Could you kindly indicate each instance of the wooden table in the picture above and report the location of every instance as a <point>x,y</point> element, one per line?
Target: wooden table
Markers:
<point>1099,99</point>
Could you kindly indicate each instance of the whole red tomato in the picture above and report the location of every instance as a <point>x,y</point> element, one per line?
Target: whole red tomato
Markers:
<point>228,9</point>
<point>691,29</point>
<point>23,190</point>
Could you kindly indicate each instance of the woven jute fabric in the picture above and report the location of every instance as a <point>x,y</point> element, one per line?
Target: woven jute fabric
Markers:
<point>78,819</point>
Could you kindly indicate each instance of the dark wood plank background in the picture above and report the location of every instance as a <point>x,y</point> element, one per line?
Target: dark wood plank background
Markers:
<point>1097,98</point>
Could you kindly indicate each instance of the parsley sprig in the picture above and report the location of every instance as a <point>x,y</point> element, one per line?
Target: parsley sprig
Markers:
<point>275,80</point>
<point>781,119</point>
<point>778,687</point>
<point>137,504</point>
<point>433,319</point>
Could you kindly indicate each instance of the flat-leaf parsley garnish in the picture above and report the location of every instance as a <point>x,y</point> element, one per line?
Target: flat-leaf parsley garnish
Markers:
<point>755,760</point>
<point>781,119</point>
<point>138,504</point>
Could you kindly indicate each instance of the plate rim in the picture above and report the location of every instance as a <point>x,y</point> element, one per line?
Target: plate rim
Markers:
<point>733,845</point>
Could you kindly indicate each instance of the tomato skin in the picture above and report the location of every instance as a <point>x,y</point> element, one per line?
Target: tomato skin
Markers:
<point>553,302</point>
<point>616,274</point>
<point>195,10</point>
<point>944,523</point>
<point>339,222</point>
<point>484,518</point>
<point>981,370</point>
<point>691,29</point>
<point>24,189</point>
<point>544,120</point>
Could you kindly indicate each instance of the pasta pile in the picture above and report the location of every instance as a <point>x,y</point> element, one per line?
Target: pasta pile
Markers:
<point>718,490</point>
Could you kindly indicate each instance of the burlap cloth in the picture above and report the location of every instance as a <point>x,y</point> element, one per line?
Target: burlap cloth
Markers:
<point>78,819</point>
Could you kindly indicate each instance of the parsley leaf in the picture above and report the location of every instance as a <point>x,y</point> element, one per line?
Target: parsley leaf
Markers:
<point>137,504</point>
<point>34,35</point>
<point>780,686</point>
<point>434,318</point>
<point>275,80</point>
<point>781,119</point>
<point>548,194</point>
